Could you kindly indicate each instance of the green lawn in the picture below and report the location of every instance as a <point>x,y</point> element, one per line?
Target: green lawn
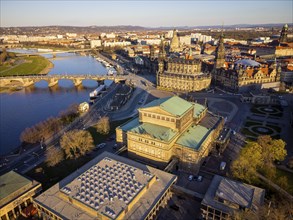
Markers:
<point>32,65</point>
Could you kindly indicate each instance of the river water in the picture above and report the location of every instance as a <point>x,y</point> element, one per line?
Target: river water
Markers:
<point>24,108</point>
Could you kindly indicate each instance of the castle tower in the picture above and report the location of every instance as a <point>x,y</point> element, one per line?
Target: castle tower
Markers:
<point>283,37</point>
<point>174,45</point>
<point>220,53</point>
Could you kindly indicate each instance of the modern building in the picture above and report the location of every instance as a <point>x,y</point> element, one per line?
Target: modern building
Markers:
<point>170,128</point>
<point>16,194</point>
<point>226,197</point>
<point>108,187</point>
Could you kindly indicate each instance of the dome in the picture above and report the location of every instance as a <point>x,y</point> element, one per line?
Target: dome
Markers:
<point>247,62</point>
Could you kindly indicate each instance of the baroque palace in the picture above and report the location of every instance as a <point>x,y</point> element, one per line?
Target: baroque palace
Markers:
<point>170,128</point>
<point>245,74</point>
<point>182,74</point>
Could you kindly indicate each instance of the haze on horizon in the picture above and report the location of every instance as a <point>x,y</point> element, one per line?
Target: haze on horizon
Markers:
<point>143,13</point>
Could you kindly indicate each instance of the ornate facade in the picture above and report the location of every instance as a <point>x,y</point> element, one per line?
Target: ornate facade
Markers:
<point>171,127</point>
<point>183,74</point>
<point>244,74</point>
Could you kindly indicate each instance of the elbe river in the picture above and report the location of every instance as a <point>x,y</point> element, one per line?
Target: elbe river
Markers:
<point>26,107</point>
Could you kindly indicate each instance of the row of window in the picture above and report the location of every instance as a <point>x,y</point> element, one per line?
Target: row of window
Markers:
<point>159,117</point>
<point>150,151</point>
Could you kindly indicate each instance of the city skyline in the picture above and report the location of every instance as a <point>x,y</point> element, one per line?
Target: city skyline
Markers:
<point>143,13</point>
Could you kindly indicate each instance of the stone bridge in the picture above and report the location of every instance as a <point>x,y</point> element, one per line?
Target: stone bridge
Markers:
<point>25,81</point>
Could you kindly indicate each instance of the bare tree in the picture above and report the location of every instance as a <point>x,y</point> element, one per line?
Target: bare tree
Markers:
<point>44,129</point>
<point>76,143</point>
<point>54,156</point>
<point>69,114</point>
<point>103,125</point>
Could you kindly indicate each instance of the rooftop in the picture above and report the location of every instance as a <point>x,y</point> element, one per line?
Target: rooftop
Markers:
<point>193,136</point>
<point>242,194</point>
<point>235,192</point>
<point>198,109</point>
<point>247,62</point>
<point>13,185</point>
<point>130,124</point>
<point>174,105</point>
<point>107,185</point>
<point>155,131</point>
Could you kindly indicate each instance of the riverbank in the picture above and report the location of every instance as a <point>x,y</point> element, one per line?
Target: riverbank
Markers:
<point>28,66</point>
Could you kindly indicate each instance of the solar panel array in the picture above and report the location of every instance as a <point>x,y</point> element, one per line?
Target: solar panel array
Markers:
<point>108,187</point>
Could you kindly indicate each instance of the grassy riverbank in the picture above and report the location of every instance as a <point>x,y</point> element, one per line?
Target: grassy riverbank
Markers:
<point>27,66</point>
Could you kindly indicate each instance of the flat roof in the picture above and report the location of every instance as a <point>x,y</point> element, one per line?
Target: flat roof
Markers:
<point>193,136</point>
<point>236,192</point>
<point>155,131</point>
<point>106,185</point>
<point>11,182</point>
<point>174,105</point>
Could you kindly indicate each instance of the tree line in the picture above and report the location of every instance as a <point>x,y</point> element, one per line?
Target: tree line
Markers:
<point>75,143</point>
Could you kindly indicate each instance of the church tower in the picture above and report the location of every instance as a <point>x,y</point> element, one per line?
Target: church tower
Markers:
<point>283,37</point>
<point>220,53</point>
<point>162,51</point>
<point>175,44</point>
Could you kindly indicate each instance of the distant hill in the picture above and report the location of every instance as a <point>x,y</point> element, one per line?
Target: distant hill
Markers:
<point>68,29</point>
<point>45,30</point>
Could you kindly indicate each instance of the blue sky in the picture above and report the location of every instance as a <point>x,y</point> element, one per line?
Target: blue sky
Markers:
<point>143,13</point>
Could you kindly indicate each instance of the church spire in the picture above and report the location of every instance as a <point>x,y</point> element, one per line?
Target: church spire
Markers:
<point>162,52</point>
<point>220,52</point>
<point>284,32</point>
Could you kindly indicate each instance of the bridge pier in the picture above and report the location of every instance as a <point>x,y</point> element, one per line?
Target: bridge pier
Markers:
<point>28,82</point>
<point>77,82</point>
<point>52,82</point>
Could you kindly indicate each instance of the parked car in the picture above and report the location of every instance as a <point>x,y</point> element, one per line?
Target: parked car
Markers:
<point>222,165</point>
<point>101,145</point>
<point>190,177</point>
<point>199,178</point>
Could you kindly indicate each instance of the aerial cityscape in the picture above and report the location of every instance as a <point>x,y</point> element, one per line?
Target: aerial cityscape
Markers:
<point>152,110</point>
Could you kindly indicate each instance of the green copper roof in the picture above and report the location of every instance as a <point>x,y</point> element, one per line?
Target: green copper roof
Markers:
<point>198,109</point>
<point>11,182</point>
<point>156,131</point>
<point>193,137</point>
<point>174,105</point>
<point>130,124</point>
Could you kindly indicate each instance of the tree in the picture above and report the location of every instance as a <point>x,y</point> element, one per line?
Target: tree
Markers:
<point>76,143</point>
<point>44,129</point>
<point>103,125</point>
<point>68,115</point>
<point>249,160</point>
<point>272,149</point>
<point>54,156</point>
